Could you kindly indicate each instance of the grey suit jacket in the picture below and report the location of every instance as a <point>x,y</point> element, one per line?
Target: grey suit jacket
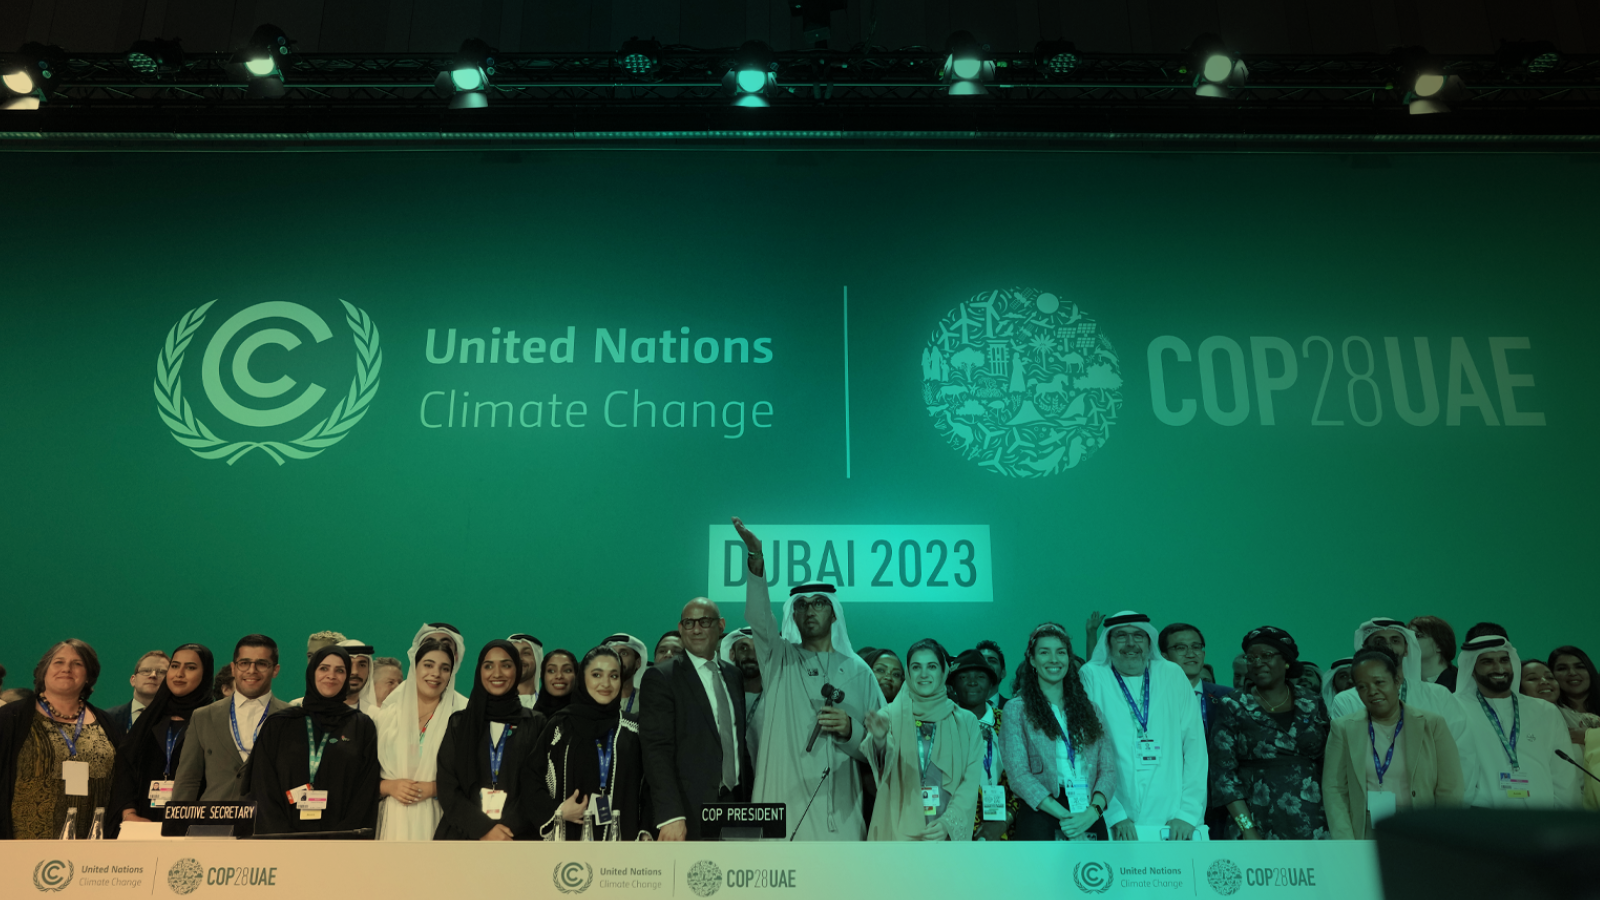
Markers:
<point>209,767</point>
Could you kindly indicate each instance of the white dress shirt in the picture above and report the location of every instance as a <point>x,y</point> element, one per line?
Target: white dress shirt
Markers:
<point>134,709</point>
<point>249,713</point>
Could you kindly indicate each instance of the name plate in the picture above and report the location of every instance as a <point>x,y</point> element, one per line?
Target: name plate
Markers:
<point>212,819</point>
<point>744,821</point>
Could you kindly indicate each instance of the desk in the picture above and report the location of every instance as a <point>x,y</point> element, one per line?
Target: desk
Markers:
<point>262,870</point>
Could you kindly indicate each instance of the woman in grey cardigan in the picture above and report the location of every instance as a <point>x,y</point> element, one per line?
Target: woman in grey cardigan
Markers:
<point>1054,746</point>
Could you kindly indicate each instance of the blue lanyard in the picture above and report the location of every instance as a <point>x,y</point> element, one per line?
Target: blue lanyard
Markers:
<point>1372,735</point>
<point>1144,716</point>
<point>314,750</point>
<point>606,749</point>
<point>632,698</point>
<point>172,742</point>
<point>233,722</point>
<point>988,751</point>
<point>1510,747</point>
<point>77,730</point>
<point>1205,716</point>
<point>496,751</point>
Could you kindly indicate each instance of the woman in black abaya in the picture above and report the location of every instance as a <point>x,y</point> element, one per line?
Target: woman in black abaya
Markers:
<point>483,755</point>
<point>142,782</point>
<point>323,751</point>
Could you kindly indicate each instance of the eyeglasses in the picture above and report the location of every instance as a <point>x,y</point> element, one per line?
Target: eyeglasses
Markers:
<point>1185,649</point>
<point>818,603</point>
<point>1261,659</point>
<point>150,673</point>
<point>704,623</point>
<point>1139,638</point>
<point>250,664</point>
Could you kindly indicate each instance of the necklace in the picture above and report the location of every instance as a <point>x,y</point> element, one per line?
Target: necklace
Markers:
<point>1274,707</point>
<point>51,710</point>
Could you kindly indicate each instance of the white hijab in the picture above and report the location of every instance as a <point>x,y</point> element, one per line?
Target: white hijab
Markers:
<point>367,699</point>
<point>1467,662</point>
<point>1102,652</point>
<point>538,662</point>
<point>637,646</point>
<point>1327,680</point>
<point>791,632</point>
<point>404,752</point>
<point>1411,666</point>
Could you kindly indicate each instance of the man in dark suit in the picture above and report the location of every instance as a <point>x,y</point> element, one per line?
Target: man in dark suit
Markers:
<point>222,734</point>
<point>1183,644</point>
<point>692,724</point>
<point>148,674</point>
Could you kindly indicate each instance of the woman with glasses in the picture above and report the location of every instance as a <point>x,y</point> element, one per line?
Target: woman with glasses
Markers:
<point>1268,745</point>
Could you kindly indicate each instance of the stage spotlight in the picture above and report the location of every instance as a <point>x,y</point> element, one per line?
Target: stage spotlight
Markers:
<point>469,75</point>
<point>1428,87</point>
<point>966,66</point>
<point>263,58</point>
<point>1218,70</point>
<point>1532,57</point>
<point>31,75</point>
<point>155,57</point>
<point>1055,57</point>
<point>641,59</point>
<point>752,80</point>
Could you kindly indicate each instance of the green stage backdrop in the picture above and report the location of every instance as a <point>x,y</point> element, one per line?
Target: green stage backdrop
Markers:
<point>289,392</point>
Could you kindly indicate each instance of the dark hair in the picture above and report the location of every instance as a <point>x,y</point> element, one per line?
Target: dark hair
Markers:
<point>1483,628</point>
<point>2,675</point>
<point>548,657</point>
<point>1380,655</point>
<point>1083,722</point>
<point>91,665</point>
<point>871,656</point>
<point>602,650</point>
<point>1444,637</point>
<point>529,638</point>
<point>930,644</point>
<point>1174,628</point>
<point>147,655</point>
<point>673,633</point>
<point>1592,703</point>
<point>866,652</point>
<point>257,640</point>
<point>446,626</point>
<point>429,645</point>
<point>991,645</point>
<point>224,678</point>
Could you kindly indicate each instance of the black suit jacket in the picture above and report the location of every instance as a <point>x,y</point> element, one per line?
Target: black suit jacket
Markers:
<point>124,716</point>
<point>682,750</point>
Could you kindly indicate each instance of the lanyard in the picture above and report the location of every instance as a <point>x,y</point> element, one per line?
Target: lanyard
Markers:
<point>172,742</point>
<point>924,747</point>
<point>632,698</point>
<point>1372,735</point>
<point>1205,715</point>
<point>496,751</point>
<point>988,752</point>
<point>605,748</point>
<point>1143,718</point>
<point>1509,746</point>
<point>1072,752</point>
<point>233,722</point>
<point>314,750</point>
<point>77,731</point>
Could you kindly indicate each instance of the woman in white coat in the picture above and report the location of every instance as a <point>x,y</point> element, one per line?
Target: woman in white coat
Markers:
<point>411,726</point>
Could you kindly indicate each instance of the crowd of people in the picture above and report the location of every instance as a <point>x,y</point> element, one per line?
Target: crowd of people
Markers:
<point>1134,741</point>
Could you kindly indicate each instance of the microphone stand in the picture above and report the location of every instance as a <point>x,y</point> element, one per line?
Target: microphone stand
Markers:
<point>1569,759</point>
<point>796,832</point>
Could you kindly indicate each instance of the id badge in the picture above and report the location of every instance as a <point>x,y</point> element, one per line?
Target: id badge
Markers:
<point>1516,788</point>
<point>1078,796</point>
<point>312,801</point>
<point>930,801</point>
<point>1147,755</point>
<point>600,809</point>
<point>76,774</point>
<point>493,801</point>
<point>994,803</point>
<point>160,792</point>
<point>1380,805</point>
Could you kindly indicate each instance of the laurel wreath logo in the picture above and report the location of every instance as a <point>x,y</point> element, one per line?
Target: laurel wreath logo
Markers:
<point>48,877</point>
<point>203,442</point>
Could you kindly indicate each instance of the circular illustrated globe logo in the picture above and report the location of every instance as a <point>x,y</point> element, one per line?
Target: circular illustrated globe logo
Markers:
<point>1224,877</point>
<point>1092,877</point>
<point>1021,381</point>
<point>184,876</point>
<point>704,878</point>
<point>573,877</point>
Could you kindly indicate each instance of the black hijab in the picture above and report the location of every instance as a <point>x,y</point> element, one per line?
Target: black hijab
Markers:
<point>549,704</point>
<point>156,720</point>
<point>484,707</point>
<point>327,711</point>
<point>587,721</point>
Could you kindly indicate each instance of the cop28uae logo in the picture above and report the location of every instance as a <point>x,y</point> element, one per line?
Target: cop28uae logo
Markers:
<point>184,875</point>
<point>1021,381</point>
<point>190,431</point>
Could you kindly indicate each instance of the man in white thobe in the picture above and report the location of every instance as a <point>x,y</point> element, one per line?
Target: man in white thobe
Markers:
<point>1514,738</point>
<point>806,651</point>
<point>1154,725</point>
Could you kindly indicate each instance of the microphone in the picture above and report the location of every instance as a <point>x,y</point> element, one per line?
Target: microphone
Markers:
<point>1569,759</point>
<point>830,695</point>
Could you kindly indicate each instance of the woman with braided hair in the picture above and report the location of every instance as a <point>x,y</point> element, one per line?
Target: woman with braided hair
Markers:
<point>1056,754</point>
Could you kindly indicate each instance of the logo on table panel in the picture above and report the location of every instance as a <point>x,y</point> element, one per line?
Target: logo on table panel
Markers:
<point>1092,877</point>
<point>573,877</point>
<point>1021,381</point>
<point>255,403</point>
<point>52,875</point>
<point>1224,877</point>
<point>184,876</point>
<point>704,878</point>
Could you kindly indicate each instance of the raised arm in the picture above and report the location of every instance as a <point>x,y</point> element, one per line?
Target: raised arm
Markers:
<point>757,602</point>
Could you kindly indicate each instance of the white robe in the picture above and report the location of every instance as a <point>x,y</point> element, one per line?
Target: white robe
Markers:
<point>1176,788</point>
<point>1553,783</point>
<point>791,682</point>
<point>402,755</point>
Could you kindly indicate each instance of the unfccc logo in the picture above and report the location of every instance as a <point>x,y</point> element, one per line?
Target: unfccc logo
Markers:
<point>190,431</point>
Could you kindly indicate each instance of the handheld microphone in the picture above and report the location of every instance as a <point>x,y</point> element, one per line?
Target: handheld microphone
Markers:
<point>1569,759</point>
<point>830,695</point>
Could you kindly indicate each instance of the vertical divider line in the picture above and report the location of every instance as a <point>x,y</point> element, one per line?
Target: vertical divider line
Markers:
<point>847,381</point>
